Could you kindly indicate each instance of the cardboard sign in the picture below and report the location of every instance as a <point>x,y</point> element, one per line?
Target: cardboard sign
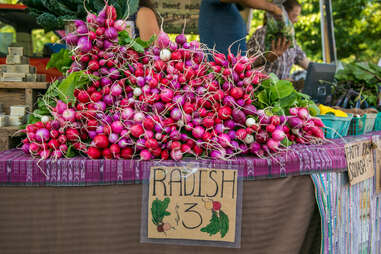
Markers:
<point>359,157</point>
<point>192,204</point>
<point>175,12</point>
<point>377,153</point>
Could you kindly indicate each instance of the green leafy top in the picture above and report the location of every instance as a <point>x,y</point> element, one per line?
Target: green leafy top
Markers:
<point>137,44</point>
<point>217,224</point>
<point>364,73</point>
<point>281,95</point>
<point>159,210</point>
<point>61,60</point>
<point>75,80</point>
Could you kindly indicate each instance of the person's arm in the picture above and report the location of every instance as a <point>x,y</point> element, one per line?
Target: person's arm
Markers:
<point>258,4</point>
<point>304,63</point>
<point>147,23</point>
<point>301,58</point>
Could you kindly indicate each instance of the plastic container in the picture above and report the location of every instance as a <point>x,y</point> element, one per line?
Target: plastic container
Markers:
<point>362,124</point>
<point>377,122</point>
<point>337,127</point>
<point>369,123</point>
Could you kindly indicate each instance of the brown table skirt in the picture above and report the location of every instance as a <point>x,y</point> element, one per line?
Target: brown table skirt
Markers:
<point>279,216</point>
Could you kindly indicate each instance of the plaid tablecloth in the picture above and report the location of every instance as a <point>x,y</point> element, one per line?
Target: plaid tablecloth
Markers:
<point>17,168</point>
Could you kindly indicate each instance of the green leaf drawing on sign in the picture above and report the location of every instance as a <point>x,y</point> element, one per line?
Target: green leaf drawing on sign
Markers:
<point>224,224</point>
<point>214,225</point>
<point>159,210</point>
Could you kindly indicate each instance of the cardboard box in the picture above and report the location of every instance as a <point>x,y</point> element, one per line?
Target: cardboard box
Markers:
<point>17,60</point>
<point>15,51</point>
<point>13,75</point>
<point>20,68</point>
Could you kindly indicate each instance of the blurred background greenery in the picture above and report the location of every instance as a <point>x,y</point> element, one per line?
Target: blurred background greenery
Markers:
<point>357,30</point>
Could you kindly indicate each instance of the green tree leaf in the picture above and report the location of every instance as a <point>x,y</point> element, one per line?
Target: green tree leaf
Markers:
<point>282,89</point>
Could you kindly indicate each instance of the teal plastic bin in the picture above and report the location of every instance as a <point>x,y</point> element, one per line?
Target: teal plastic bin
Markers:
<point>336,127</point>
<point>361,125</point>
<point>377,122</point>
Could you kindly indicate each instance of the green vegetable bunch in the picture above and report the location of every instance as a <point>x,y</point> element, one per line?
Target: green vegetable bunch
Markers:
<point>278,96</point>
<point>52,14</point>
<point>358,85</point>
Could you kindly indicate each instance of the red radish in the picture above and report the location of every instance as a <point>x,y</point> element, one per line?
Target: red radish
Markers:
<point>273,145</point>
<point>176,154</point>
<point>278,135</point>
<point>34,148</point>
<point>53,144</point>
<point>224,112</point>
<point>101,141</point>
<point>114,149</point>
<point>117,127</point>
<point>303,113</point>
<point>126,153</point>
<point>236,92</point>
<point>216,205</point>
<point>145,155</point>
<point>136,130</point>
<point>293,111</point>
<point>241,134</point>
<point>42,135</point>
<point>106,153</point>
<point>270,128</point>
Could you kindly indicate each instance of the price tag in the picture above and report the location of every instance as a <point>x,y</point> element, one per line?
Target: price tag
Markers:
<point>195,204</point>
<point>359,157</point>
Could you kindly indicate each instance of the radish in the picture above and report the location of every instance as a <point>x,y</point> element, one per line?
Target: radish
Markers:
<point>165,55</point>
<point>198,132</point>
<point>101,141</point>
<point>136,130</point>
<point>303,113</point>
<point>295,122</point>
<point>45,119</point>
<point>249,139</point>
<point>42,135</point>
<point>126,153</point>
<point>278,135</point>
<point>145,155</point>
<point>176,154</point>
<point>273,145</point>
<point>250,122</point>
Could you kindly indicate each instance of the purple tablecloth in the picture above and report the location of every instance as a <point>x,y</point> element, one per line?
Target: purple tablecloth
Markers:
<point>17,168</point>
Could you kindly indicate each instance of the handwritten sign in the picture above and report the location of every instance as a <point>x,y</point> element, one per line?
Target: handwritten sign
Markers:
<point>377,144</point>
<point>359,157</point>
<point>175,12</point>
<point>192,204</point>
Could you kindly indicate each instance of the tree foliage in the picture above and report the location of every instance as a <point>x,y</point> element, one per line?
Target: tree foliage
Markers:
<point>357,29</point>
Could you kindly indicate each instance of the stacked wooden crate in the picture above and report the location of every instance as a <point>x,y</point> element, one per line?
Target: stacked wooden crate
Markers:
<point>19,88</point>
<point>17,68</point>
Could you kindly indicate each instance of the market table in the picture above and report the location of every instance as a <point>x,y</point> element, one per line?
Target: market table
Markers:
<point>94,206</point>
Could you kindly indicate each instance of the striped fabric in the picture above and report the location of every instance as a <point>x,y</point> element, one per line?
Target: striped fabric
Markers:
<point>350,215</point>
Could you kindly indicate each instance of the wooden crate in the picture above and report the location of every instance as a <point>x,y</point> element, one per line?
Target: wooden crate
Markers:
<point>10,137</point>
<point>20,93</point>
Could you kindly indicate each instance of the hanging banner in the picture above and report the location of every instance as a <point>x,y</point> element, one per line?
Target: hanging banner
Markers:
<point>377,157</point>
<point>198,206</point>
<point>359,156</point>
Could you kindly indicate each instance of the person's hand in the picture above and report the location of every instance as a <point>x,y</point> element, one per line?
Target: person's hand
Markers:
<point>280,46</point>
<point>276,11</point>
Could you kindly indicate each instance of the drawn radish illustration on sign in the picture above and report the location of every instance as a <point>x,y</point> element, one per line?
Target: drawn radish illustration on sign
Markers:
<point>219,221</point>
<point>159,211</point>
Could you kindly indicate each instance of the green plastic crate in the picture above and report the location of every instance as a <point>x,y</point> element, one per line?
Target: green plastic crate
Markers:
<point>377,122</point>
<point>336,127</point>
<point>362,124</point>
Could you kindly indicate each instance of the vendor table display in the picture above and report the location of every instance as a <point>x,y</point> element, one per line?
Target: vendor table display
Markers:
<point>279,215</point>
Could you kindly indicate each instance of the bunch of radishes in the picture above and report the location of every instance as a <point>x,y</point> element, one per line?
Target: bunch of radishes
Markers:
<point>168,102</point>
<point>303,128</point>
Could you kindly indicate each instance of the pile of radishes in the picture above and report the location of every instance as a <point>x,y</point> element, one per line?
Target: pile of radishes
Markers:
<point>166,103</point>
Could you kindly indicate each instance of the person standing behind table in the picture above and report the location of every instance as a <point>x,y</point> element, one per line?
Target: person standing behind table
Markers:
<point>143,23</point>
<point>220,23</point>
<point>281,59</point>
